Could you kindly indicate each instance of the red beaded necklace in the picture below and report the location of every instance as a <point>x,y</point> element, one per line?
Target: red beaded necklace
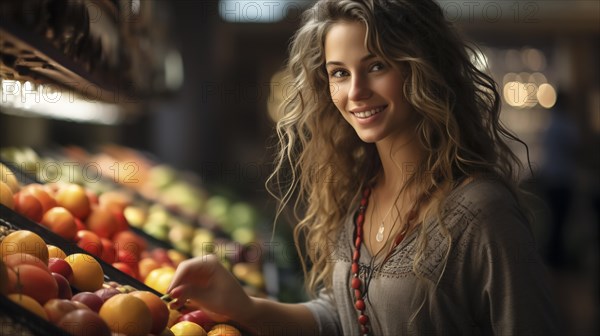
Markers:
<point>356,283</point>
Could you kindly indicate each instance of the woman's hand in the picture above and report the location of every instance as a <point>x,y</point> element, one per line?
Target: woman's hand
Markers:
<point>205,282</point>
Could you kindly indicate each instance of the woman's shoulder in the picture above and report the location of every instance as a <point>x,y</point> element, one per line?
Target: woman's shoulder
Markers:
<point>483,193</point>
<point>489,206</point>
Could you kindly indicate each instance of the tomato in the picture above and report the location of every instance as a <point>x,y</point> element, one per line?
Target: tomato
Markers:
<point>87,273</point>
<point>23,241</point>
<point>127,314</point>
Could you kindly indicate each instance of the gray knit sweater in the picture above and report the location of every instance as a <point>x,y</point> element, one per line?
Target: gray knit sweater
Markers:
<point>493,283</point>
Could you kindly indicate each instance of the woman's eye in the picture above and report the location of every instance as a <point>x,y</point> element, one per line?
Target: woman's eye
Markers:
<point>337,73</point>
<point>377,67</point>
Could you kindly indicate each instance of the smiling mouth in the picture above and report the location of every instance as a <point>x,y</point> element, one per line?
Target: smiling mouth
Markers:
<point>368,113</point>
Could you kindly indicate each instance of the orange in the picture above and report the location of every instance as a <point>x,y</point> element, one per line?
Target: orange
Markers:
<point>126,314</point>
<point>102,222</point>
<point>56,252</point>
<point>24,241</point>
<point>74,198</point>
<point>30,304</point>
<point>38,191</point>
<point>60,221</point>
<point>88,275</point>
<point>187,328</point>
<point>6,196</point>
<point>158,310</point>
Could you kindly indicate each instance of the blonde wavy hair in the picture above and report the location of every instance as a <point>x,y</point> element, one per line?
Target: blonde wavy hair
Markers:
<point>322,166</point>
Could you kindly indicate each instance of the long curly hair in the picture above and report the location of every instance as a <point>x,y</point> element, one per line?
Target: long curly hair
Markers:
<point>322,165</point>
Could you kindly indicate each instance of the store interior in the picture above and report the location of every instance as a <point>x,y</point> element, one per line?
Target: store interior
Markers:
<point>196,96</point>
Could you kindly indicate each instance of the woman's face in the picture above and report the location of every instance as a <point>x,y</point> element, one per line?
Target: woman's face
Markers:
<point>366,90</point>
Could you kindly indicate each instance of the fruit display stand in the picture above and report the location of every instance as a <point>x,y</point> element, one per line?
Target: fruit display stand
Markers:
<point>16,220</point>
<point>193,226</point>
<point>9,218</point>
<point>18,318</point>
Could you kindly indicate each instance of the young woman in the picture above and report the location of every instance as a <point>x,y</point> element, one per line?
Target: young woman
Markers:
<point>392,150</point>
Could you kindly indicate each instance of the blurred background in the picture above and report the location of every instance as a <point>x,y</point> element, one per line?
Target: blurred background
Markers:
<point>189,87</point>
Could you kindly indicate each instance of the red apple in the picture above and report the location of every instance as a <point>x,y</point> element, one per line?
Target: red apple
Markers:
<point>83,322</point>
<point>199,317</point>
<point>107,293</point>
<point>57,308</point>
<point>64,288</point>
<point>93,301</point>
<point>60,266</point>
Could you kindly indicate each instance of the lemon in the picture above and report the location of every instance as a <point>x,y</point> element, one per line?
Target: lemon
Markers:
<point>187,328</point>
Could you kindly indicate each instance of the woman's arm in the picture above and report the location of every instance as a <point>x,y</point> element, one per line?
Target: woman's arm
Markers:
<point>274,318</point>
<point>216,291</point>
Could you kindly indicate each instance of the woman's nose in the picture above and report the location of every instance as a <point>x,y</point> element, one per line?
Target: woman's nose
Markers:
<point>359,89</point>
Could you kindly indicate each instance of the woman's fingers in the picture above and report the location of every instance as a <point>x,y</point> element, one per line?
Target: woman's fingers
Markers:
<point>196,271</point>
